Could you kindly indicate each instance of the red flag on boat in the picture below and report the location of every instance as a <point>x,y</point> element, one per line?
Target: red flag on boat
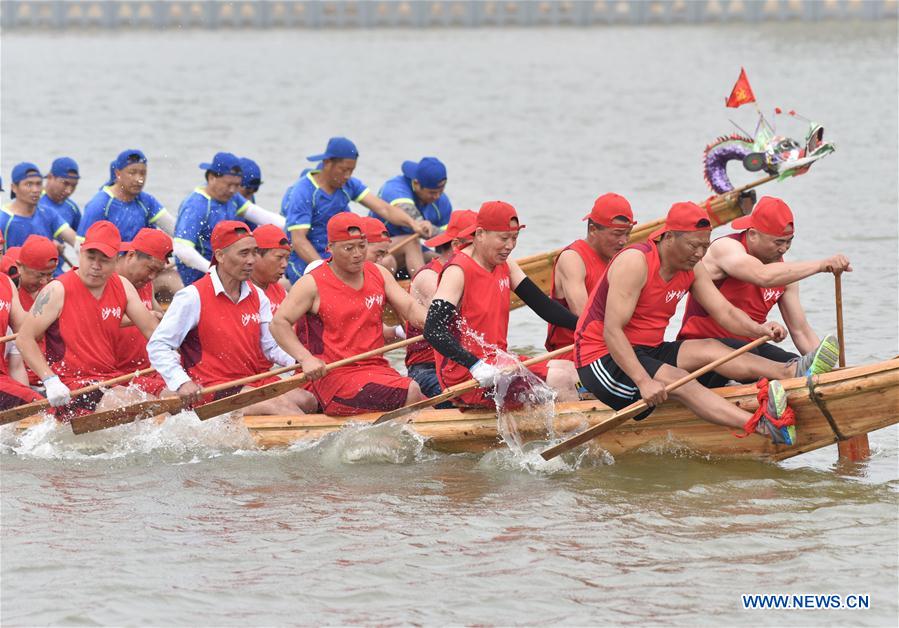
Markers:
<point>741,93</point>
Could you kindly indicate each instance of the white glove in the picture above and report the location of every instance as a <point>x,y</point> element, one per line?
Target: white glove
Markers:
<point>400,332</point>
<point>484,373</point>
<point>58,394</point>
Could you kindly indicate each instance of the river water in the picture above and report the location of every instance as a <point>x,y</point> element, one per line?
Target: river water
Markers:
<point>189,524</point>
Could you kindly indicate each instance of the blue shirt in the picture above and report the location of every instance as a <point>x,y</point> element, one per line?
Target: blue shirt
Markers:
<point>129,217</point>
<point>68,210</point>
<point>45,222</point>
<point>197,217</point>
<point>398,191</point>
<point>310,207</point>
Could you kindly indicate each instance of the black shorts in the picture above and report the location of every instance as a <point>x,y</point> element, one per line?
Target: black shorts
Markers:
<point>605,379</point>
<point>768,350</point>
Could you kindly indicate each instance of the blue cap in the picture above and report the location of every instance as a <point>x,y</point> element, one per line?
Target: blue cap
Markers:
<point>125,159</point>
<point>429,172</point>
<point>222,164</point>
<point>252,174</point>
<point>338,148</point>
<point>65,167</point>
<point>24,170</point>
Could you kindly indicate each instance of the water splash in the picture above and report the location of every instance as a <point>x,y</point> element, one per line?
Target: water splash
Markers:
<point>181,436</point>
<point>363,443</point>
<point>529,460</point>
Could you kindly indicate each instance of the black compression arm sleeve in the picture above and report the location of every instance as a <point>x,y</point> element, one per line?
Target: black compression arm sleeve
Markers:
<point>437,332</point>
<point>546,308</point>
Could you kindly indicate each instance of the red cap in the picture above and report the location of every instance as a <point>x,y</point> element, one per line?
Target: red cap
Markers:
<point>375,230</point>
<point>460,220</point>
<point>38,253</point>
<point>770,215</point>
<point>340,225</point>
<point>102,236</point>
<point>271,237</point>
<point>226,233</point>
<point>152,242</point>
<point>608,207</point>
<point>684,216</point>
<point>10,259</point>
<point>495,216</point>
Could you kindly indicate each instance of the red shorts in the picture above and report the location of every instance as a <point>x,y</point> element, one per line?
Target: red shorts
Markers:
<point>151,384</point>
<point>484,397</point>
<point>14,394</point>
<point>356,389</point>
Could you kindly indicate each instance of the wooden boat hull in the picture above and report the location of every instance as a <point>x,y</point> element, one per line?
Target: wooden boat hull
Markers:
<point>859,399</point>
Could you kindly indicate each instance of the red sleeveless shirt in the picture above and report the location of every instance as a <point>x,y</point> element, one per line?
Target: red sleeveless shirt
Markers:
<point>756,301</point>
<point>6,289</point>
<point>655,306</point>
<point>27,301</point>
<point>132,346</point>
<point>81,343</point>
<point>482,323</point>
<point>421,352</point>
<point>558,337</point>
<point>349,321</point>
<point>225,344</point>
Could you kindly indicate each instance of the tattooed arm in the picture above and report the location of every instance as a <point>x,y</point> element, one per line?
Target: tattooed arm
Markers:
<point>16,313</point>
<point>46,309</point>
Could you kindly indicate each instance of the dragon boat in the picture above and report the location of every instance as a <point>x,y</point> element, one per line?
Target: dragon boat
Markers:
<point>830,408</point>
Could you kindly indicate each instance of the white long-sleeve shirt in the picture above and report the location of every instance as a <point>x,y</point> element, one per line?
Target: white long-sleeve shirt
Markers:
<point>184,314</point>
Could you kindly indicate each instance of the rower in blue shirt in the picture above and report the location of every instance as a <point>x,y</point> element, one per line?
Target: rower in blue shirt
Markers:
<point>123,202</point>
<point>60,184</point>
<point>22,217</point>
<point>208,205</point>
<point>327,190</point>
<point>419,192</point>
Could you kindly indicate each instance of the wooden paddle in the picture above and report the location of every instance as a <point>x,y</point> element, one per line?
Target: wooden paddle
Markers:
<point>145,409</point>
<point>838,289</point>
<point>397,246</point>
<point>460,389</point>
<point>17,414</point>
<point>4,339</point>
<point>269,391</point>
<point>639,406</point>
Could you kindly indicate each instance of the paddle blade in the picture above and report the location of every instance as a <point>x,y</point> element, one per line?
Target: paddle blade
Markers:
<point>121,416</point>
<point>247,398</point>
<point>592,432</point>
<point>17,414</point>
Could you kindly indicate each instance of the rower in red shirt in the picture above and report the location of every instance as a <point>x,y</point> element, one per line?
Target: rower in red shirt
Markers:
<point>343,300</point>
<point>142,260</point>
<point>217,329</point>
<point>581,264</point>
<point>79,315</point>
<point>271,263</point>
<point>420,357</point>
<point>13,392</point>
<point>620,349</point>
<point>468,318</point>
<point>36,261</point>
<point>378,239</point>
<point>749,270</point>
